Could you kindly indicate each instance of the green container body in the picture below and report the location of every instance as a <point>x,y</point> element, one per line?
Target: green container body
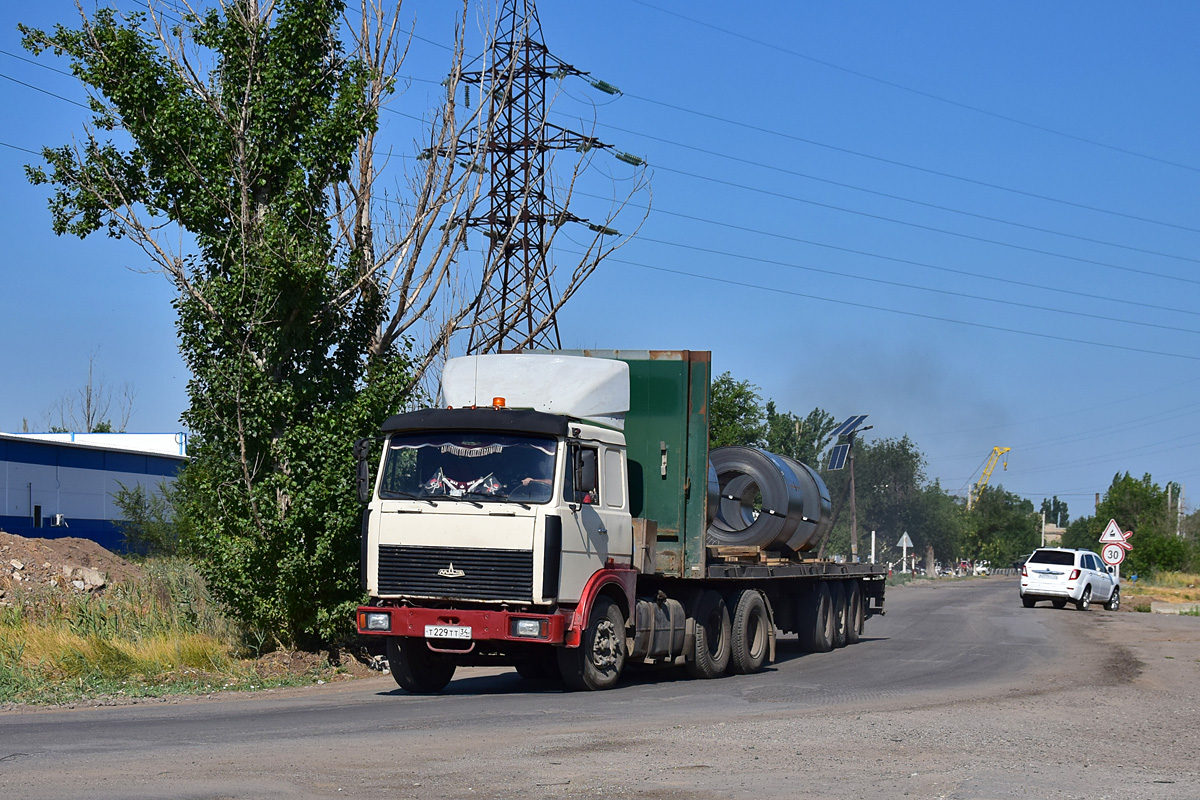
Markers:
<point>666,432</point>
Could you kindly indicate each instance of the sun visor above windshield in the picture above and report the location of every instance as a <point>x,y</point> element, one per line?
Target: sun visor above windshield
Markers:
<point>595,389</point>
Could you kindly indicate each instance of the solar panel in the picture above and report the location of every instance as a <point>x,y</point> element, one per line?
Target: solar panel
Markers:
<point>837,456</point>
<point>849,425</point>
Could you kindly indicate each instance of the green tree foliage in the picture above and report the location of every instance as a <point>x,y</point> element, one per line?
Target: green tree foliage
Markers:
<point>276,315</point>
<point>1001,526</point>
<point>801,439</point>
<point>149,521</point>
<point>735,413</point>
<point>1140,506</point>
<point>1055,512</point>
<point>737,417</point>
<point>891,498</point>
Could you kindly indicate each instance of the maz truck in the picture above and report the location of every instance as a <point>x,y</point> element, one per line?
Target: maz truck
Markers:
<point>562,513</point>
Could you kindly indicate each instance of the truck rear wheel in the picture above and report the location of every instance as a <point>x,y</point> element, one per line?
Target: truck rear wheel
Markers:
<point>816,620</point>
<point>840,615</point>
<point>417,669</point>
<point>712,637</point>
<point>855,612</point>
<point>751,632</point>
<point>600,657</point>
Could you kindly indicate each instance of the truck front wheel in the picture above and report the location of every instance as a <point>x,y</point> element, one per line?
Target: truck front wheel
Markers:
<point>600,657</point>
<point>416,668</point>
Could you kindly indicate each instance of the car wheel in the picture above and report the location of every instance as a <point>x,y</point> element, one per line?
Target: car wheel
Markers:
<point>1028,602</point>
<point>1114,602</point>
<point>1060,602</point>
<point>1085,600</point>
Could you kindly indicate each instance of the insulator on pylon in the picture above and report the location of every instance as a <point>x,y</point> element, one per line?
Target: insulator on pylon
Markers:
<point>605,87</point>
<point>607,231</point>
<point>630,158</point>
<point>467,94</point>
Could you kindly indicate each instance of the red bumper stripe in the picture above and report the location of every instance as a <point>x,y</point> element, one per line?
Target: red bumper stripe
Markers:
<point>484,625</point>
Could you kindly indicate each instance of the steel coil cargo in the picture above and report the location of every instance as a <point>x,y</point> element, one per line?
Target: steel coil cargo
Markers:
<point>767,500</point>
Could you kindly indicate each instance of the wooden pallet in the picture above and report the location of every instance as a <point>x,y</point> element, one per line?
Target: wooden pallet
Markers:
<point>751,555</point>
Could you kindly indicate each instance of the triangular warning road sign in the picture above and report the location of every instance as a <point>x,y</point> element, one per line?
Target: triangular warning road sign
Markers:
<point>1112,533</point>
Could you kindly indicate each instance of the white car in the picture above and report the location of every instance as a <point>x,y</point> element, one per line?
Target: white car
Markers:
<point>1058,575</point>
<point>983,568</point>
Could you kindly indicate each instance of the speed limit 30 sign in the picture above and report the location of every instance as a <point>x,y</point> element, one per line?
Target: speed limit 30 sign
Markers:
<point>1113,554</point>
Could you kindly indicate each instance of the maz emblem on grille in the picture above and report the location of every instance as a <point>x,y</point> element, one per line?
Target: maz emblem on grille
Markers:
<point>451,572</point>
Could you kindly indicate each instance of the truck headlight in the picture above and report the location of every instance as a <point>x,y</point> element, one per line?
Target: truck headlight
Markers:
<point>528,628</point>
<point>377,621</point>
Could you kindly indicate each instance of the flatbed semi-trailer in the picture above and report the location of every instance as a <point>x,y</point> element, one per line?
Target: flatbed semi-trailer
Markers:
<point>562,513</point>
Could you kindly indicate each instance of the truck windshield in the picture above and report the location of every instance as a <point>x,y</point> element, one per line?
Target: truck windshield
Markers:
<point>476,466</point>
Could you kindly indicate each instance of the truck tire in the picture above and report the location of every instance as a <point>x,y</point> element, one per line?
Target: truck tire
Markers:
<point>855,612</point>
<point>543,667</point>
<point>751,639</point>
<point>816,620</point>
<point>415,668</point>
<point>840,616</point>
<point>713,636</point>
<point>597,662</point>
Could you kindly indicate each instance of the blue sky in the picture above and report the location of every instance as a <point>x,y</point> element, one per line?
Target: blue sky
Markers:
<point>975,222</point>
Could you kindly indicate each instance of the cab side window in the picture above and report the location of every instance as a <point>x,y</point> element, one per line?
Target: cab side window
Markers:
<point>582,484</point>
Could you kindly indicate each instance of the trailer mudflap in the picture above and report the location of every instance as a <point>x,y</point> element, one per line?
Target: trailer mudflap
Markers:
<point>462,624</point>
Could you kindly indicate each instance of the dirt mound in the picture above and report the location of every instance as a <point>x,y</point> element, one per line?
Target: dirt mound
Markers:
<point>69,562</point>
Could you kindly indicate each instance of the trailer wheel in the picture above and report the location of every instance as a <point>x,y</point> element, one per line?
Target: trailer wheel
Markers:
<point>840,615</point>
<point>712,637</point>
<point>855,612</point>
<point>751,632</point>
<point>417,669</point>
<point>816,620</point>
<point>598,661</point>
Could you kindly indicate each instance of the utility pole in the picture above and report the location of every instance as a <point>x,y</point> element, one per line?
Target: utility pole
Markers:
<point>516,309</point>
<point>853,508</point>
<point>837,459</point>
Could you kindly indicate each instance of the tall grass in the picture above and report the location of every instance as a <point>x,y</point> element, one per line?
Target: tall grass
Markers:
<point>1173,580</point>
<point>160,634</point>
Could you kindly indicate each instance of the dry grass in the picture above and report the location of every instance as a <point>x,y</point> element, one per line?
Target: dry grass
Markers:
<point>1164,587</point>
<point>160,634</point>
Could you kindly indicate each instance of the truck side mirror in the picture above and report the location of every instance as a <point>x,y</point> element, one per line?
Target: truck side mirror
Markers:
<point>362,450</point>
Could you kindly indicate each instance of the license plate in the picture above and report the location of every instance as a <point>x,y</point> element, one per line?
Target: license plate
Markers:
<point>447,631</point>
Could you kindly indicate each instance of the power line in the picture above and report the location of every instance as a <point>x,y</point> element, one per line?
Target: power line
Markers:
<point>967,273</point>
<point>43,91</point>
<point>925,94</point>
<point>890,196</point>
<point>905,165</point>
<point>22,149</point>
<point>901,312</point>
<point>900,285</point>
<point>919,226</point>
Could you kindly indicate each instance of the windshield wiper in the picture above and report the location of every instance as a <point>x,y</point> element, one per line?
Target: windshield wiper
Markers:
<point>391,494</point>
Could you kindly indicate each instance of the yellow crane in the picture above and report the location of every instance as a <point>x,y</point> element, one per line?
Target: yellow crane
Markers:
<point>975,491</point>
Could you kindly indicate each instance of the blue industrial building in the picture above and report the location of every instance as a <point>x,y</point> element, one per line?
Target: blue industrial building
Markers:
<point>59,485</point>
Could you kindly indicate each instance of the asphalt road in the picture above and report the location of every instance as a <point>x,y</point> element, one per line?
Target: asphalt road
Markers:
<point>657,735</point>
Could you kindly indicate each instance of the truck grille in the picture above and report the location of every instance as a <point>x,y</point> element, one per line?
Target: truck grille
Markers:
<point>433,572</point>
